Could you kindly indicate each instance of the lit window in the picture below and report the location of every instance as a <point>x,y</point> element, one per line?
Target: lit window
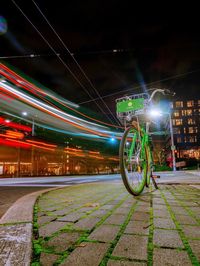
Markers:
<point>177,122</point>
<point>185,139</point>
<point>187,112</point>
<point>184,130</point>
<point>192,138</point>
<point>179,104</point>
<point>190,103</point>
<point>191,121</point>
<point>176,114</point>
<point>198,102</point>
<point>178,139</point>
<point>191,130</point>
<point>177,130</point>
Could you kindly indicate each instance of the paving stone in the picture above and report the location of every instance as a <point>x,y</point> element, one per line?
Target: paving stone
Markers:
<point>51,228</point>
<point>15,244</point>
<point>132,246</point>
<point>63,241</point>
<point>173,203</point>
<point>45,219</point>
<point>195,246</point>
<point>122,211</point>
<point>179,210</point>
<point>141,216</point>
<point>170,257</point>
<point>158,201</point>
<point>115,219</point>
<point>160,207</point>
<point>191,231</point>
<point>185,219</point>
<point>161,213</point>
<point>164,223</point>
<point>91,255</point>
<point>107,207</point>
<point>99,213</point>
<point>196,211</point>
<point>86,223</point>
<point>72,217</point>
<point>167,238</point>
<point>137,227</point>
<point>190,203</point>
<point>62,212</point>
<point>125,263</point>
<point>105,233</point>
<point>50,209</point>
<point>48,259</point>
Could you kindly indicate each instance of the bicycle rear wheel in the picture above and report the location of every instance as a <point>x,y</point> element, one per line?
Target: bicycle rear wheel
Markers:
<point>133,161</point>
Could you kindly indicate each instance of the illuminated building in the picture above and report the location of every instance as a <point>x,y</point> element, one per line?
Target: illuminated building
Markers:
<point>186,126</point>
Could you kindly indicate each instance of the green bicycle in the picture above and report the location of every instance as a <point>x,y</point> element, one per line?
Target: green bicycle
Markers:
<point>135,153</point>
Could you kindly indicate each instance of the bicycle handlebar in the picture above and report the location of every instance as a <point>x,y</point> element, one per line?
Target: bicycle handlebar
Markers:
<point>168,92</point>
<point>163,91</point>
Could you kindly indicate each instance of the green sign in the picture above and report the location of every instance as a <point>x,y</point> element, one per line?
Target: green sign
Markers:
<point>130,105</point>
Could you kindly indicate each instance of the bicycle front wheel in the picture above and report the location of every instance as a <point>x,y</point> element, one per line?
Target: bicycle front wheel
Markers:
<point>133,161</point>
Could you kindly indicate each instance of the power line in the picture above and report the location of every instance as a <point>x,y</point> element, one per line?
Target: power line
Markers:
<point>57,54</point>
<point>81,69</point>
<point>147,84</point>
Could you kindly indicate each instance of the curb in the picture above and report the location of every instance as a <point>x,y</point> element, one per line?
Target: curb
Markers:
<point>16,227</point>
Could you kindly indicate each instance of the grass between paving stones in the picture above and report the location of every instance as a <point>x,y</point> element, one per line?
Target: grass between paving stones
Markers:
<point>150,245</point>
<point>79,208</point>
<point>187,247</point>
<point>186,208</point>
<point>39,242</point>
<point>84,237</point>
<point>115,241</point>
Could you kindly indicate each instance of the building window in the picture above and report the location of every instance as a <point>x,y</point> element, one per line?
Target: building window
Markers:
<point>185,139</point>
<point>190,130</point>
<point>179,104</point>
<point>177,122</point>
<point>191,121</point>
<point>178,139</point>
<point>184,130</point>
<point>190,103</point>
<point>176,113</point>
<point>192,139</point>
<point>187,112</point>
<point>177,130</point>
<point>198,102</point>
<point>193,130</point>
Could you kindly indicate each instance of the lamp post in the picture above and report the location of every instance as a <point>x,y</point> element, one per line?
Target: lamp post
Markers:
<point>32,149</point>
<point>172,142</point>
<point>158,113</point>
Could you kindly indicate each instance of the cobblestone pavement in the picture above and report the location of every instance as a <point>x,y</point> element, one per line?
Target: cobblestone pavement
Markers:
<point>101,224</point>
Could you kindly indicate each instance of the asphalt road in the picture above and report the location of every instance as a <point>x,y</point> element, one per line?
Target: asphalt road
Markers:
<point>8,195</point>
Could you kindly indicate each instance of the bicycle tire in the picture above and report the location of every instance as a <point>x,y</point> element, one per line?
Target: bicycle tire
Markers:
<point>149,168</point>
<point>123,169</point>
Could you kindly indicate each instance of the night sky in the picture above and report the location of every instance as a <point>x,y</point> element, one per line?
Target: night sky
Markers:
<point>157,46</point>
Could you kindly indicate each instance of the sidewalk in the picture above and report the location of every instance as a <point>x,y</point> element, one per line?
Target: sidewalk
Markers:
<point>101,224</point>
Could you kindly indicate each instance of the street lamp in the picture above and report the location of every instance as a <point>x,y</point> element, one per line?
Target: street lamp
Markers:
<point>158,113</point>
<point>32,133</point>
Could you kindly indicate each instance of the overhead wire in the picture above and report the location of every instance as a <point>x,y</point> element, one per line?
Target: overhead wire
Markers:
<point>57,54</point>
<point>74,59</point>
<point>147,84</point>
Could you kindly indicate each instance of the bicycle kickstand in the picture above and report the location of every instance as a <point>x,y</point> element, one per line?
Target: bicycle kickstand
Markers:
<point>154,181</point>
